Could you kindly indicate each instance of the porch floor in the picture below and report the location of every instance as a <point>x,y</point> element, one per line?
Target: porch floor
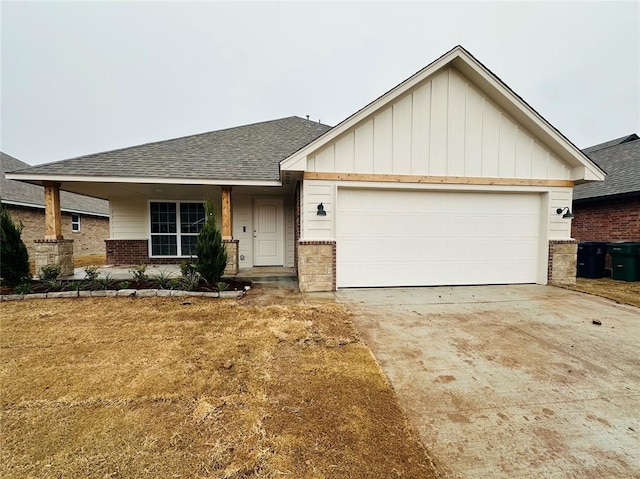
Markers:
<point>265,274</point>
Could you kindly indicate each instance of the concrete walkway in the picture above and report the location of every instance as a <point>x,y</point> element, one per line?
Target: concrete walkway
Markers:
<point>510,381</point>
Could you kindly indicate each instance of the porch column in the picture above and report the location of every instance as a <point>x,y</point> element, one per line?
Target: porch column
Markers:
<point>52,214</point>
<point>227,231</point>
<point>53,248</point>
<point>227,234</point>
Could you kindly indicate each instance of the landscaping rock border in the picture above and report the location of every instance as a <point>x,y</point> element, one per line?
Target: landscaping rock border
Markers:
<point>138,293</point>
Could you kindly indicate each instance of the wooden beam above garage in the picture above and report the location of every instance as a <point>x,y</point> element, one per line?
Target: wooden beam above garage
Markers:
<point>442,180</point>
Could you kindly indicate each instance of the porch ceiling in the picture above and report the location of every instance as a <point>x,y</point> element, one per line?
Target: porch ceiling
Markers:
<point>163,190</point>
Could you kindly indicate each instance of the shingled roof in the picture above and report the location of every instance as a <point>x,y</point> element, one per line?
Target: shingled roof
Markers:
<point>622,164</point>
<point>607,144</point>
<point>250,152</point>
<point>17,192</point>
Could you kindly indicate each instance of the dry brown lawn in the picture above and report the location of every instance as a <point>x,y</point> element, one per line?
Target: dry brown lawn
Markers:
<point>620,291</point>
<point>89,260</point>
<point>134,388</point>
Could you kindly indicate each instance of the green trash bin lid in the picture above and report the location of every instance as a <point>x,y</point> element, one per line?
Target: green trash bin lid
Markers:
<point>627,248</point>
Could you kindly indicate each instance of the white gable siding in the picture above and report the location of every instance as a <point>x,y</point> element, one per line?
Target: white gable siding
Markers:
<point>445,126</point>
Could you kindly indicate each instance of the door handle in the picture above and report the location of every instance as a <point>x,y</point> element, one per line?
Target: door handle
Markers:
<point>255,234</point>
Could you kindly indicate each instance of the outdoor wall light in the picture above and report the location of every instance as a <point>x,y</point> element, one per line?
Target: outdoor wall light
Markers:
<point>321,211</point>
<point>567,214</point>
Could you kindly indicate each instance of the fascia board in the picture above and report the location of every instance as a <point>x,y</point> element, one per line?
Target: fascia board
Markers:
<point>41,179</point>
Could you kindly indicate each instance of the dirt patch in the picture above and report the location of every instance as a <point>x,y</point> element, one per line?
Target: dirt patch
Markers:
<point>120,387</point>
<point>619,291</point>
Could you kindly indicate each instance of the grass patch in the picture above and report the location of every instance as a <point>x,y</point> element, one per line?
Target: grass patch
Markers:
<point>89,260</point>
<point>620,291</point>
<point>120,387</point>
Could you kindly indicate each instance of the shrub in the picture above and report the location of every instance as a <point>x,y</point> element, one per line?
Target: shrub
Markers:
<point>54,285</point>
<point>191,281</point>
<point>103,282</point>
<point>222,286</point>
<point>23,288</point>
<point>211,253</point>
<point>139,272</point>
<point>187,267</point>
<point>91,273</point>
<point>163,280</point>
<point>49,272</point>
<point>14,266</point>
<point>123,285</point>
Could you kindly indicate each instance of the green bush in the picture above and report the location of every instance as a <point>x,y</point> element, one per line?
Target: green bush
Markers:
<point>49,272</point>
<point>14,259</point>
<point>211,253</point>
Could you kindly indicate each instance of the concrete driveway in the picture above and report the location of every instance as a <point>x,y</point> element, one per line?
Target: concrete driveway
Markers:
<point>511,381</point>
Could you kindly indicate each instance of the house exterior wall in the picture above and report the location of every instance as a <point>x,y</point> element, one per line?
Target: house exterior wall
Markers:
<point>607,220</point>
<point>443,127</point>
<point>130,230</point>
<point>88,241</point>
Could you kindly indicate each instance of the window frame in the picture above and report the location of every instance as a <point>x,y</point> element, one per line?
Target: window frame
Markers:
<point>75,225</point>
<point>178,234</point>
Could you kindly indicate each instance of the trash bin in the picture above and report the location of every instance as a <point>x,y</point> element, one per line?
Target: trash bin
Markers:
<point>591,256</point>
<point>625,263</point>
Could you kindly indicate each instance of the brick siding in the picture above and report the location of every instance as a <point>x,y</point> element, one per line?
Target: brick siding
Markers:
<point>613,220</point>
<point>90,240</point>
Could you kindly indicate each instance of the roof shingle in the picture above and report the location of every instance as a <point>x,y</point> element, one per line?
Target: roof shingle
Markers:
<point>18,192</point>
<point>250,152</point>
<point>622,165</point>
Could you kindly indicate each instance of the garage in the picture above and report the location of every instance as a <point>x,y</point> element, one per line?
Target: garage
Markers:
<point>427,238</point>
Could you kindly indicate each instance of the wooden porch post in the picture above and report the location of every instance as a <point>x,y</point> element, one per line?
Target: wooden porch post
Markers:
<point>52,214</point>
<point>227,226</point>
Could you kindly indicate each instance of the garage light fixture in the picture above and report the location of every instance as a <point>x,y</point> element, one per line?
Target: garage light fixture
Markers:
<point>321,211</point>
<point>567,214</point>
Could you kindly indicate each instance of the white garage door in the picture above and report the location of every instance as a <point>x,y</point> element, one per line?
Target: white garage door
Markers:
<point>417,238</point>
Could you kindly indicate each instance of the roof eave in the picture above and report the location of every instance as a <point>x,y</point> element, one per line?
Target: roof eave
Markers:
<point>42,179</point>
<point>64,210</point>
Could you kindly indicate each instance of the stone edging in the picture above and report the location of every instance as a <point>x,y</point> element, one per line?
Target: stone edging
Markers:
<point>138,293</point>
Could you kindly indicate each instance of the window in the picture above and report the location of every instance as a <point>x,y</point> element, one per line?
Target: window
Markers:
<point>75,223</point>
<point>175,228</point>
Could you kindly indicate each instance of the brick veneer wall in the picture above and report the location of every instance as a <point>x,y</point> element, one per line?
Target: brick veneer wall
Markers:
<point>317,265</point>
<point>90,240</point>
<point>612,220</point>
<point>562,261</point>
<point>137,251</point>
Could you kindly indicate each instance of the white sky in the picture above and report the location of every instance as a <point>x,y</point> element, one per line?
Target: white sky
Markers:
<point>80,77</point>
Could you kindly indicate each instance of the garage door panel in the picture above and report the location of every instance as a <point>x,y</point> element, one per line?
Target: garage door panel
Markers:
<point>409,238</point>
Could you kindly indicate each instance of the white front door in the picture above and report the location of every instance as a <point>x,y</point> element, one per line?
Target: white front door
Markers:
<point>268,232</point>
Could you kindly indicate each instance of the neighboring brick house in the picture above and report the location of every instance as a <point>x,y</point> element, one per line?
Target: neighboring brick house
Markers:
<point>84,219</point>
<point>610,210</point>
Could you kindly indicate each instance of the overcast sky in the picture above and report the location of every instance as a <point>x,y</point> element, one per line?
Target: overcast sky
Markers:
<point>80,77</point>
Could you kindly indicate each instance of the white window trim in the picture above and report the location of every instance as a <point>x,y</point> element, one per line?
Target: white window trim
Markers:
<point>178,234</point>
<point>73,230</point>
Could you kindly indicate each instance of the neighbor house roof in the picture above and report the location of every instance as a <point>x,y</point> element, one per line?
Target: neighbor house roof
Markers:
<point>24,194</point>
<point>583,169</point>
<point>607,144</point>
<point>245,153</point>
<point>621,161</point>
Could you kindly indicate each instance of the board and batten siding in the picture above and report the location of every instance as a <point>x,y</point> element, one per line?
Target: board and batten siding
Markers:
<point>443,127</point>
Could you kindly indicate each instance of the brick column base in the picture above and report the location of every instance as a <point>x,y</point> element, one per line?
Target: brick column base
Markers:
<point>232,257</point>
<point>54,252</point>
<point>317,265</point>
<point>561,266</point>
